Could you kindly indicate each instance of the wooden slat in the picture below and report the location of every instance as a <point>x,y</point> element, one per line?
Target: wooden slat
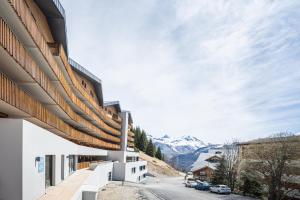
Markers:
<point>11,93</point>
<point>41,78</point>
<point>24,13</point>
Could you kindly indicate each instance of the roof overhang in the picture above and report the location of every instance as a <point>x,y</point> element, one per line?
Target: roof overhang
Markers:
<point>97,83</point>
<point>202,168</point>
<point>115,104</point>
<point>56,18</point>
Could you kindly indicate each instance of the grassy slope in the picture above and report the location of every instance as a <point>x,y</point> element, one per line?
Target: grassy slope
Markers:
<point>157,167</point>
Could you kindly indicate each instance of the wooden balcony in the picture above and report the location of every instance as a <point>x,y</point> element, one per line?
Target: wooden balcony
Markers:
<point>17,103</point>
<point>78,86</point>
<point>24,14</point>
<point>130,133</point>
<point>130,139</point>
<point>130,144</point>
<point>15,49</point>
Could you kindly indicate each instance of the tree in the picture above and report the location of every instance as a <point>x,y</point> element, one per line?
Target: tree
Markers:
<point>231,163</point>
<point>150,149</point>
<point>158,154</point>
<point>137,135</point>
<point>219,173</point>
<point>143,142</point>
<point>251,184</point>
<point>272,158</point>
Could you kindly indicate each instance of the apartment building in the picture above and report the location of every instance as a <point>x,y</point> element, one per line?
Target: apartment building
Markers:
<point>54,122</point>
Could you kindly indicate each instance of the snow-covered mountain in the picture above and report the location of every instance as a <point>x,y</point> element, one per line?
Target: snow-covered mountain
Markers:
<point>174,146</point>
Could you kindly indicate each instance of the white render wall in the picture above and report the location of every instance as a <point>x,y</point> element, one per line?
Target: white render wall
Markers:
<point>96,180</point>
<point>122,171</point>
<point>20,143</point>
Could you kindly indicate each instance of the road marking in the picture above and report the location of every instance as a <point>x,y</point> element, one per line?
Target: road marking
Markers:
<point>161,198</point>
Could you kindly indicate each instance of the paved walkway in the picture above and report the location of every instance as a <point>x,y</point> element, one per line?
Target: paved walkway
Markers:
<point>68,187</point>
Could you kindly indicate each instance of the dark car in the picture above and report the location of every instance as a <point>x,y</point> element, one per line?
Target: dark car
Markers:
<point>202,185</point>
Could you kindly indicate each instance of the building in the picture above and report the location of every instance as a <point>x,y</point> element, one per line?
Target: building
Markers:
<point>54,122</point>
<point>248,157</point>
<point>127,165</point>
<point>206,163</point>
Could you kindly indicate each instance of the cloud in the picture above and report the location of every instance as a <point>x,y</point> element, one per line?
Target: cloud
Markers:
<point>213,69</point>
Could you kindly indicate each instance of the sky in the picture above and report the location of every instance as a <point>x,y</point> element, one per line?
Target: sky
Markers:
<point>216,70</point>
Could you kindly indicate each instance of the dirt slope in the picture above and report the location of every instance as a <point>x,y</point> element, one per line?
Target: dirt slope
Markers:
<point>157,167</point>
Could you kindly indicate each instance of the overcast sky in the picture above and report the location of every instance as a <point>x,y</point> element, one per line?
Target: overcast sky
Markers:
<point>212,69</point>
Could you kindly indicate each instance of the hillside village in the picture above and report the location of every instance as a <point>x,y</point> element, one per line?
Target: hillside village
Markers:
<point>211,163</point>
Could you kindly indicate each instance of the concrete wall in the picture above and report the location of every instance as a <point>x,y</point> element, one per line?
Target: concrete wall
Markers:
<point>10,159</point>
<point>117,156</point>
<point>124,137</point>
<point>21,142</point>
<point>122,171</point>
<point>96,180</point>
<point>38,142</point>
<point>129,176</point>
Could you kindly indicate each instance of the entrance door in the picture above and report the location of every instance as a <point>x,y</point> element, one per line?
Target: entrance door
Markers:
<point>62,167</point>
<point>49,170</point>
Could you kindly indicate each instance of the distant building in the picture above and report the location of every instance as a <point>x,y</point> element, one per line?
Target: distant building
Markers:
<point>247,158</point>
<point>206,163</point>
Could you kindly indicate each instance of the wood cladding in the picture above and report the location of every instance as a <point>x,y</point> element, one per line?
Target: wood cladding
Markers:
<point>18,52</point>
<point>14,96</point>
<point>130,139</point>
<point>24,14</point>
<point>130,144</point>
<point>130,133</point>
<point>83,165</point>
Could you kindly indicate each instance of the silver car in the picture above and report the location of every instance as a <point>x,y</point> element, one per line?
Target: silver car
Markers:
<point>190,183</point>
<point>220,189</point>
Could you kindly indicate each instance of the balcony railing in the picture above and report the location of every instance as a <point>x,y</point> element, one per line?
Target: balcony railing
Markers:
<point>11,94</point>
<point>130,144</point>
<point>130,133</point>
<point>22,57</point>
<point>23,12</point>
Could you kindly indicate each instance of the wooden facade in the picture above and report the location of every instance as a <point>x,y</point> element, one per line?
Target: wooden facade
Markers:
<point>85,121</point>
<point>204,174</point>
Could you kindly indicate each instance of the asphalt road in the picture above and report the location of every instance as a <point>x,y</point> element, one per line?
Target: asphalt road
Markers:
<point>174,189</point>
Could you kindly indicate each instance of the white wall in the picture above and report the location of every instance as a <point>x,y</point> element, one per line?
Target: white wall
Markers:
<point>124,136</point>
<point>10,159</point>
<point>20,143</point>
<point>122,171</point>
<point>117,156</point>
<point>38,142</point>
<point>129,176</point>
<point>97,179</point>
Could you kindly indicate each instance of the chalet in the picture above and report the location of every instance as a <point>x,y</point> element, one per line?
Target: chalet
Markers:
<point>53,118</point>
<point>206,163</point>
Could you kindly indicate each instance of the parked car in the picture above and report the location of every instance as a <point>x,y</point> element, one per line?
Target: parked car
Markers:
<point>190,183</point>
<point>202,185</point>
<point>220,189</point>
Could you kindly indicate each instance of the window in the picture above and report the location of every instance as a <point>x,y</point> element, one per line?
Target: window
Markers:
<point>91,93</point>
<point>109,176</point>
<point>141,168</point>
<point>133,170</point>
<point>83,83</point>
